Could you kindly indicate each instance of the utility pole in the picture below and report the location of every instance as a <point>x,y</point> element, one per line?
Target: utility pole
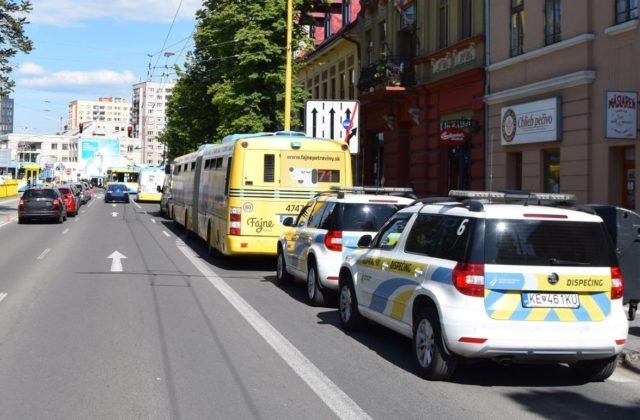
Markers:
<point>287,82</point>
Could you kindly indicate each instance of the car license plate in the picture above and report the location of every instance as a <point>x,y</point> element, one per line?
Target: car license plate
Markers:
<point>550,300</point>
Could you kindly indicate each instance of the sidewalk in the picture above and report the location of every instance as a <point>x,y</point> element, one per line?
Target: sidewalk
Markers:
<point>631,352</point>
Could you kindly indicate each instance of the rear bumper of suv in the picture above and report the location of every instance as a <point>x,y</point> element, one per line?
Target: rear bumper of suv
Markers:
<point>534,340</point>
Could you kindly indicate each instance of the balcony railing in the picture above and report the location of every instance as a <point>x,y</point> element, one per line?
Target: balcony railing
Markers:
<point>392,71</point>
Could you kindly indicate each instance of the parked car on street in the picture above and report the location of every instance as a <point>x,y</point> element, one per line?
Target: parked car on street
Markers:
<point>116,192</point>
<point>70,199</point>
<point>42,203</point>
<point>327,229</point>
<point>85,194</point>
<point>512,277</point>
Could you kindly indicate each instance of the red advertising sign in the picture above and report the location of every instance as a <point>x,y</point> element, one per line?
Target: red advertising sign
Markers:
<point>453,136</point>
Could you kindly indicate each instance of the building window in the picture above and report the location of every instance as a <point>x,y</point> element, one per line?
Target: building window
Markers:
<point>346,12</point>
<point>552,22</point>
<point>465,19</point>
<point>65,146</point>
<point>54,146</point>
<point>626,10</point>
<point>443,24</point>
<point>551,171</point>
<point>517,27</point>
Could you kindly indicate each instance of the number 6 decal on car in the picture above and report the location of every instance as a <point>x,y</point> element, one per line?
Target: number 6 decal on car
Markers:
<point>462,227</point>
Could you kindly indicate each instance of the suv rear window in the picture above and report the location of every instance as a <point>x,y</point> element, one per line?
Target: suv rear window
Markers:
<point>364,217</point>
<point>542,242</point>
<point>39,193</point>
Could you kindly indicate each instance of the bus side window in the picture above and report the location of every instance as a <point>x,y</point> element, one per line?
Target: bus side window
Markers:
<point>226,179</point>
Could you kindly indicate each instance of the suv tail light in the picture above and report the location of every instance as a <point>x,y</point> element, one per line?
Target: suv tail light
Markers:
<point>617,283</point>
<point>56,202</point>
<point>333,240</point>
<point>469,279</point>
<point>21,204</point>
<point>235,219</point>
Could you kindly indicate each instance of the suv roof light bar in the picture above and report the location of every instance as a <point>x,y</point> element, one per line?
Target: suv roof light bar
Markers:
<point>514,196</point>
<point>341,190</point>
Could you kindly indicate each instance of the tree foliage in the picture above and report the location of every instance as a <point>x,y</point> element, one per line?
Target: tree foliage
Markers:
<point>234,79</point>
<point>12,38</point>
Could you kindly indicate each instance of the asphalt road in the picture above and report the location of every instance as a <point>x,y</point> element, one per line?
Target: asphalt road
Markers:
<point>177,335</point>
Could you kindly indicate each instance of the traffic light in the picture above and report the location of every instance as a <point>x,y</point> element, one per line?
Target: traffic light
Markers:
<point>129,132</point>
<point>81,126</point>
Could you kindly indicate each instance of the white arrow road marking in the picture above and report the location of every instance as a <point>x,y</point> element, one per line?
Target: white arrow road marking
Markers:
<point>44,253</point>
<point>2,296</point>
<point>114,214</point>
<point>116,263</point>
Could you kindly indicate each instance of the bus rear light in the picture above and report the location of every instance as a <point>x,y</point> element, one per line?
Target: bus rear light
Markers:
<point>469,279</point>
<point>333,240</point>
<point>617,283</point>
<point>235,220</point>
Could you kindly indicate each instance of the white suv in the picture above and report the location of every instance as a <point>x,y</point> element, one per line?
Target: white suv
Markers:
<point>327,229</point>
<point>532,278</point>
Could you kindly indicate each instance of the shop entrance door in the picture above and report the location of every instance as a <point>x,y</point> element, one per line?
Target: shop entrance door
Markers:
<point>629,179</point>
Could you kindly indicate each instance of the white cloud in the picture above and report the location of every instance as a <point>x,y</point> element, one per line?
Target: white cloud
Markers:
<point>64,13</point>
<point>30,69</point>
<point>78,78</point>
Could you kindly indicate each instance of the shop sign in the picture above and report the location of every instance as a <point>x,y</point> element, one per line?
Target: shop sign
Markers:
<point>531,122</point>
<point>453,136</point>
<point>621,115</point>
<point>453,59</point>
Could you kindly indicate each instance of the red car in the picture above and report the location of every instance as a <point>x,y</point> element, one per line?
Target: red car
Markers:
<point>70,199</point>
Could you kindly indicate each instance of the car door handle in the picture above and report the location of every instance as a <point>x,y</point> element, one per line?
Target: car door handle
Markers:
<point>385,266</point>
<point>418,272</point>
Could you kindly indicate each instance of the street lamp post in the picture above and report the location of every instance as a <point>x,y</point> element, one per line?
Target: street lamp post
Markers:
<point>287,81</point>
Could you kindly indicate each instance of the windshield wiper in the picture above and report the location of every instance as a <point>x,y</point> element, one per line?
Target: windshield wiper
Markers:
<point>556,261</point>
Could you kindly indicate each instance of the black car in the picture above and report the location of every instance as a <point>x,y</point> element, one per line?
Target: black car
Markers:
<point>42,203</point>
<point>116,192</point>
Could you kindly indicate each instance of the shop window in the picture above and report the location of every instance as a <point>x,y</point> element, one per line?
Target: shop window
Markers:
<point>626,10</point>
<point>551,171</point>
<point>517,27</point>
<point>552,21</point>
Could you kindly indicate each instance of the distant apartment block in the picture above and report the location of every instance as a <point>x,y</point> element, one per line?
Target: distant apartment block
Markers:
<point>148,117</point>
<point>6,115</point>
<point>112,110</point>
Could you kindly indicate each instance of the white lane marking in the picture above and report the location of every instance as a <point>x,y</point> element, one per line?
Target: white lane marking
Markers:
<point>116,263</point>
<point>64,232</point>
<point>2,296</point>
<point>114,214</point>
<point>166,234</point>
<point>339,402</point>
<point>113,204</point>
<point>44,253</point>
<point>153,220</point>
<point>136,204</point>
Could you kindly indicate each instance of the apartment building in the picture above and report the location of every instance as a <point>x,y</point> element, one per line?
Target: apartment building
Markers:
<point>114,111</point>
<point>149,119</point>
<point>6,115</point>
<point>562,98</point>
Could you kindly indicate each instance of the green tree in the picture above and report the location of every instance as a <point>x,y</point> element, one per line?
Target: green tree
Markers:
<point>234,79</point>
<point>12,38</point>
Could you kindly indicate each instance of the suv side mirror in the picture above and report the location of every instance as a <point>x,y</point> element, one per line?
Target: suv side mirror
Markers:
<point>365,241</point>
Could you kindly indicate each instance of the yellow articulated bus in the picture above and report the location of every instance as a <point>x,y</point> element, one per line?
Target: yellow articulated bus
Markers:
<point>28,175</point>
<point>245,186</point>
<point>150,182</point>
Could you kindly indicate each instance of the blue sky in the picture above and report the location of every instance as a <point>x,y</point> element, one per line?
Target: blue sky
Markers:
<point>86,49</point>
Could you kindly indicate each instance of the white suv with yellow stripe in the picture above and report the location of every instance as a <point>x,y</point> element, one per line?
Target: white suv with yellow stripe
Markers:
<point>504,276</point>
<point>327,229</point>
